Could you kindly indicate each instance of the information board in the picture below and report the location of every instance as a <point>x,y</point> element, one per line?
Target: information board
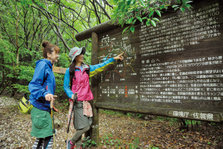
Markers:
<point>174,69</point>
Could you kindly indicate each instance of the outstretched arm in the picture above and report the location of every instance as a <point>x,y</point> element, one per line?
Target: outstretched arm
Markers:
<point>95,69</point>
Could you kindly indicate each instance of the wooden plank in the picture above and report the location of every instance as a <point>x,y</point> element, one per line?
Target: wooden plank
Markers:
<point>59,70</point>
<point>97,29</point>
<point>94,132</point>
<point>169,112</point>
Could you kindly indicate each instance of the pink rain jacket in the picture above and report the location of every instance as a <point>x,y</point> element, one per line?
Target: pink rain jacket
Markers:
<point>81,86</point>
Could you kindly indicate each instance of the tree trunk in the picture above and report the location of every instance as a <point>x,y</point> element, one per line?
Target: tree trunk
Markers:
<point>17,44</point>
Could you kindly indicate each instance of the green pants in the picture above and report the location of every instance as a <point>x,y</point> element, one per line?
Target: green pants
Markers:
<point>41,123</point>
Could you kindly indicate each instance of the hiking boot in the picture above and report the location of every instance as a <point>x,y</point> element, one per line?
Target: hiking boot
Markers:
<point>70,145</point>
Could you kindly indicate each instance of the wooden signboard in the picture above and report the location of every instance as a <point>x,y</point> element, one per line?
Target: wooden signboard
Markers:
<point>174,69</point>
<point>59,70</point>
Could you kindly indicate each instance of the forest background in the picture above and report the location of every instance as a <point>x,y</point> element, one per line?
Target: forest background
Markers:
<point>25,24</point>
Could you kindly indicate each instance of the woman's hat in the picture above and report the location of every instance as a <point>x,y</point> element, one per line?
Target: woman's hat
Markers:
<point>75,52</point>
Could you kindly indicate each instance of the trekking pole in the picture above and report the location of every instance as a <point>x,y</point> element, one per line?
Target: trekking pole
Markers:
<point>68,127</point>
<point>52,117</point>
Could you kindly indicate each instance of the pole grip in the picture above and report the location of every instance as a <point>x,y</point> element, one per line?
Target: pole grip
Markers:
<point>52,101</point>
<point>75,96</point>
<point>51,104</point>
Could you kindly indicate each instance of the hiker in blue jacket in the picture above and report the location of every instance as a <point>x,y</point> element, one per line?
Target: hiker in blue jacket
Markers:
<point>42,88</point>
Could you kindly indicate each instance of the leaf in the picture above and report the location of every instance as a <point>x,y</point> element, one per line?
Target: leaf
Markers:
<point>156,19</point>
<point>148,22</point>
<point>175,6</point>
<point>132,29</point>
<point>129,21</point>
<point>188,6</point>
<point>151,13</point>
<point>189,2</point>
<point>134,21</point>
<point>125,30</point>
<point>182,9</point>
<point>153,23</point>
<point>144,18</point>
<point>139,18</point>
<point>133,2</point>
<point>151,9</point>
<point>142,2</point>
<point>158,13</point>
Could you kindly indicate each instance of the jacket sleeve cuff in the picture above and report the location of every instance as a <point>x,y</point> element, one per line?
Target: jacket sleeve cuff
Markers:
<point>45,93</point>
<point>70,95</point>
<point>112,59</point>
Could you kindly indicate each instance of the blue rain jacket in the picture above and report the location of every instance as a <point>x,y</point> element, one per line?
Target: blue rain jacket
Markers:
<point>43,83</point>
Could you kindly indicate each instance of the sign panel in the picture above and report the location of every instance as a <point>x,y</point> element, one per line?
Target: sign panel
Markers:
<point>174,69</point>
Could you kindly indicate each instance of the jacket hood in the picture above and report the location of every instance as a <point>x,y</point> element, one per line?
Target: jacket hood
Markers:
<point>48,62</point>
<point>85,66</point>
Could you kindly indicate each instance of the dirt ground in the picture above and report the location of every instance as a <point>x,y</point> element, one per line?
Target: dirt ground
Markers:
<point>116,131</point>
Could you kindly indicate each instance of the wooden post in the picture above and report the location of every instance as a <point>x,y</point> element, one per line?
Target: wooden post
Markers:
<point>94,131</point>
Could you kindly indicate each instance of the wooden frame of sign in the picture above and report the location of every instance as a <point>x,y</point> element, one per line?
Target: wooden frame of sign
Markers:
<point>174,69</point>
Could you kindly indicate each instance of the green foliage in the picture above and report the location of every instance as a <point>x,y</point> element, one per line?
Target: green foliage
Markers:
<point>26,3</point>
<point>192,122</point>
<point>7,52</point>
<point>132,11</point>
<point>185,4</point>
<point>109,141</point>
<point>170,119</point>
<point>135,144</point>
<point>59,86</point>
<point>23,77</point>
<point>135,115</point>
<point>87,142</point>
<point>21,88</point>
<point>64,60</point>
<point>22,30</point>
<point>119,113</point>
<point>111,112</point>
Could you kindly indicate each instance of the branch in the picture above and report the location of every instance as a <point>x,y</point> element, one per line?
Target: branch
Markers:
<point>58,33</point>
<point>50,17</point>
<point>78,13</point>
<point>105,12</point>
<point>95,11</point>
<point>105,1</point>
<point>42,9</point>
<point>60,36</point>
<point>9,36</point>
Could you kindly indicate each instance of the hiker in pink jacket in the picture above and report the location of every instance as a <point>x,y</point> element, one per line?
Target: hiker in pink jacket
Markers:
<point>76,80</point>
